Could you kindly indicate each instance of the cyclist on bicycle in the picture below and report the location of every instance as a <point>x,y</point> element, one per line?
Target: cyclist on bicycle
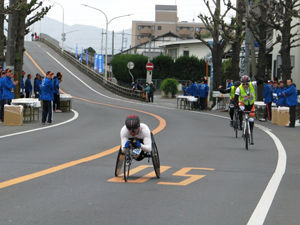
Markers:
<point>244,98</point>
<point>139,131</point>
<point>230,90</point>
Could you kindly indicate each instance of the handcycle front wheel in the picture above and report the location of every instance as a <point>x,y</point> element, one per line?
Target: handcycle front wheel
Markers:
<point>155,158</point>
<point>127,165</point>
<point>119,162</point>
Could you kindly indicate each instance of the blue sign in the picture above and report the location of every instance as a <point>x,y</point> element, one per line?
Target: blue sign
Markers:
<point>4,65</point>
<point>86,57</point>
<point>80,59</point>
<point>95,62</point>
<point>100,63</point>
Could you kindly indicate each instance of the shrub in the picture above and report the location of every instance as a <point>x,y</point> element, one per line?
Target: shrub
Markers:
<point>169,85</point>
<point>163,65</point>
<point>189,68</point>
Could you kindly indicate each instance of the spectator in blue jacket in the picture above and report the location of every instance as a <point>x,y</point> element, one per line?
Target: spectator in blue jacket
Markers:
<point>47,97</point>
<point>22,85</point>
<point>37,85</point>
<point>203,94</point>
<point>291,99</point>
<point>1,99</point>
<point>28,86</point>
<point>56,81</point>
<point>8,85</point>
<point>280,98</point>
<point>229,83</point>
<point>268,98</point>
<point>185,89</point>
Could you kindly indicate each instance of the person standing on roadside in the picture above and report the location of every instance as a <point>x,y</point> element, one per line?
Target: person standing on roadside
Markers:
<point>56,81</point>
<point>151,93</point>
<point>280,98</point>
<point>203,94</point>
<point>47,97</point>
<point>28,86</point>
<point>268,98</point>
<point>37,85</point>
<point>8,86</point>
<point>1,98</point>
<point>291,100</point>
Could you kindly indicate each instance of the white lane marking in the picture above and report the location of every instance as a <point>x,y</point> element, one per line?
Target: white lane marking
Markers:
<point>259,214</point>
<point>76,114</point>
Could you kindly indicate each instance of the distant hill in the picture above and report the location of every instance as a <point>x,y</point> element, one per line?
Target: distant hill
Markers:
<point>85,36</point>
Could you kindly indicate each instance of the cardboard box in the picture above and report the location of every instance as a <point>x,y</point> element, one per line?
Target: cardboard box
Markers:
<point>274,115</point>
<point>13,115</point>
<point>283,118</point>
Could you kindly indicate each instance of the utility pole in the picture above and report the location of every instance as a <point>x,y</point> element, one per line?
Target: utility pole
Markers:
<point>112,44</point>
<point>122,41</point>
<point>102,42</point>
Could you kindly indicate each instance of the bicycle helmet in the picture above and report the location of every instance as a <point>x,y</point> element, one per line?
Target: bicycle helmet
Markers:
<point>237,83</point>
<point>245,79</point>
<point>132,122</point>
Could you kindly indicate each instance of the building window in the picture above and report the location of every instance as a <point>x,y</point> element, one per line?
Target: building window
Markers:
<point>158,27</point>
<point>186,53</point>
<point>173,53</point>
<point>198,29</point>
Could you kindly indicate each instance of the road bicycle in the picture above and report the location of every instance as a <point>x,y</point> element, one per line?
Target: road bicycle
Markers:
<point>134,153</point>
<point>247,134</point>
<point>236,122</point>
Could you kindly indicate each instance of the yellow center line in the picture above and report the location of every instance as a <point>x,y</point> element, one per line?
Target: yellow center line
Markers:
<point>17,180</point>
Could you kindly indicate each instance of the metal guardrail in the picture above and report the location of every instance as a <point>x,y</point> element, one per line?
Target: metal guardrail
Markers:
<point>117,89</point>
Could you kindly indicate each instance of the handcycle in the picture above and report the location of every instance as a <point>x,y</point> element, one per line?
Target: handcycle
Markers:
<point>131,154</point>
<point>247,134</point>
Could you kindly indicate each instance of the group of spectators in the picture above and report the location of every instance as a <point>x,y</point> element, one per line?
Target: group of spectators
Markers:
<point>199,90</point>
<point>44,88</point>
<point>281,95</point>
<point>148,89</point>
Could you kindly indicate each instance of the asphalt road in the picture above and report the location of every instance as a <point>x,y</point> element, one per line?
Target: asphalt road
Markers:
<point>209,178</point>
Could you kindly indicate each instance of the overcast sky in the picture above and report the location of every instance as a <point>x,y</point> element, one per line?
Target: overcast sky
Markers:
<point>75,13</point>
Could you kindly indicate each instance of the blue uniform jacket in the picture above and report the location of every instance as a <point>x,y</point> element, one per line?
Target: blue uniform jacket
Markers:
<point>56,85</point>
<point>194,90</point>
<point>268,93</point>
<point>1,89</point>
<point>280,98</point>
<point>203,90</point>
<point>47,90</point>
<point>22,84</point>
<point>36,85</point>
<point>291,96</point>
<point>7,88</point>
<point>28,85</point>
<point>185,90</point>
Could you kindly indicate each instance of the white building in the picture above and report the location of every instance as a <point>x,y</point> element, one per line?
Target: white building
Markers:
<point>191,47</point>
<point>295,59</point>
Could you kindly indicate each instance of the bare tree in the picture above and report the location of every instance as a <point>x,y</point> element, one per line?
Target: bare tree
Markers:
<point>213,24</point>
<point>27,14</point>
<point>2,37</point>
<point>282,20</point>
<point>235,34</point>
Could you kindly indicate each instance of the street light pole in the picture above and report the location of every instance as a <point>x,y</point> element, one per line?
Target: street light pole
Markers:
<point>63,35</point>
<point>106,28</point>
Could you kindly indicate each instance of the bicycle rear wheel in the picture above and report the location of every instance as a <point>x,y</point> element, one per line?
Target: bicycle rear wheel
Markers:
<point>119,163</point>
<point>127,165</point>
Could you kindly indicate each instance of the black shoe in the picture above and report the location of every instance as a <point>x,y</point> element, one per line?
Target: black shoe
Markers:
<point>289,126</point>
<point>231,123</point>
<point>240,128</point>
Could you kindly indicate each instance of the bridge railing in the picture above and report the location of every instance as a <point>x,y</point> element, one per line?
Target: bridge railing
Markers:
<point>115,88</point>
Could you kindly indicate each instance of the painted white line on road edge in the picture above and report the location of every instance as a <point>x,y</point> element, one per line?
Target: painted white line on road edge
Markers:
<point>76,114</point>
<point>263,206</point>
<point>259,214</point>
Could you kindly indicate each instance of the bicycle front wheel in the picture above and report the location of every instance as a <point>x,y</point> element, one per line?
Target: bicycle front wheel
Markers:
<point>246,137</point>
<point>119,163</point>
